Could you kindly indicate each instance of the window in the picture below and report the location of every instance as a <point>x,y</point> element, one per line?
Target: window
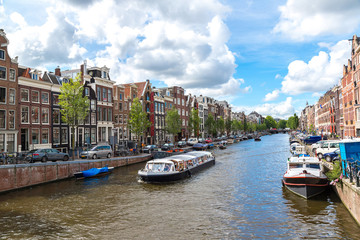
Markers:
<point>56,99</point>
<point>64,135</point>
<point>24,93</point>
<point>2,54</point>
<point>104,115</point>
<point>93,135</point>
<point>45,136</point>
<point>12,95</point>
<point>104,74</point>
<point>120,97</point>
<point>11,143</point>
<point>104,95</point>
<point>2,118</point>
<point>93,118</point>
<point>12,76</point>
<point>35,136</point>
<point>34,76</point>
<point>24,114</point>
<point>109,115</point>
<point>11,119</point>
<point>87,119</point>
<point>2,141</point>
<point>87,135</point>
<point>109,95</point>
<point>86,91</point>
<point>99,114</point>
<point>35,116</point>
<point>120,106</point>
<point>2,95</point>
<point>93,104</point>
<point>35,96</point>
<point>44,115</point>
<point>44,97</point>
<point>2,73</point>
<point>56,136</point>
<point>56,116</point>
<point>98,92</point>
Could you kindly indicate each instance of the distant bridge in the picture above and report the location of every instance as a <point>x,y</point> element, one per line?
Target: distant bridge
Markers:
<point>272,131</point>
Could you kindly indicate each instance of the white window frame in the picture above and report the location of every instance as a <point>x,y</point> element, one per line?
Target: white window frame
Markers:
<point>12,103</point>
<point>38,92</point>
<point>65,130</point>
<point>5,73</point>
<point>12,80</point>
<point>28,113</point>
<point>38,135</point>
<point>48,115</point>
<point>5,95</point>
<point>4,54</point>
<point>44,130</point>
<point>38,118</point>
<point>43,102</point>
<point>54,139</point>
<point>28,95</point>
<point>4,119</point>
<point>14,119</point>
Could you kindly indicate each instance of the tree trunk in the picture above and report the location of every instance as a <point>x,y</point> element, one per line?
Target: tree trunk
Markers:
<point>73,142</point>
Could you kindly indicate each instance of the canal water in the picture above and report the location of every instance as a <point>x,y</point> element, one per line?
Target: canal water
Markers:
<point>241,197</point>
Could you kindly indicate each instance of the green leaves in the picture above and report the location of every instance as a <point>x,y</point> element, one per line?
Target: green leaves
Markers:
<point>138,119</point>
<point>173,122</point>
<point>194,122</point>
<point>74,106</point>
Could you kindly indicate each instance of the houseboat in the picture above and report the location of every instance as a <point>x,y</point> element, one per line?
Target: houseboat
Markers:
<point>305,176</point>
<point>176,167</point>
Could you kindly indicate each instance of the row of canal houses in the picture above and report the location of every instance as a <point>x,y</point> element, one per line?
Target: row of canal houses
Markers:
<point>30,115</point>
<point>337,112</point>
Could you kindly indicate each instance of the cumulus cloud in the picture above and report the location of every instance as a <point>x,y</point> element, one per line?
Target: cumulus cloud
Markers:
<point>301,19</point>
<point>320,73</point>
<point>183,43</point>
<point>272,96</point>
<point>282,110</point>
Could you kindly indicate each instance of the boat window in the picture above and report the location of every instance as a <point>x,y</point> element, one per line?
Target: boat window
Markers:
<point>314,165</point>
<point>296,165</point>
<point>167,167</point>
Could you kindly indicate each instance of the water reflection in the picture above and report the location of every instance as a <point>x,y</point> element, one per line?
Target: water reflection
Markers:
<point>241,197</point>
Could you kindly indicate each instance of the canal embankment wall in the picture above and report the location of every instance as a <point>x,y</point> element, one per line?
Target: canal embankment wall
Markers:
<point>16,176</point>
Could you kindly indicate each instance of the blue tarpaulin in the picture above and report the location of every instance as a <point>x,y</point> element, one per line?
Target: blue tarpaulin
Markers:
<point>94,171</point>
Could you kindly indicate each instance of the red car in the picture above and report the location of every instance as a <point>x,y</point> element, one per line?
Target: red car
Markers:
<point>208,140</point>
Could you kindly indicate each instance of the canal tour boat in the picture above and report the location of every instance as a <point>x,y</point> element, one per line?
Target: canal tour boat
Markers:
<point>305,176</point>
<point>177,167</point>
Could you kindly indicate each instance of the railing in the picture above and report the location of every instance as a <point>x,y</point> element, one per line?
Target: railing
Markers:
<point>351,170</point>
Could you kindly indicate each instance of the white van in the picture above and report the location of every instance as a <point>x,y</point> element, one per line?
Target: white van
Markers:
<point>327,147</point>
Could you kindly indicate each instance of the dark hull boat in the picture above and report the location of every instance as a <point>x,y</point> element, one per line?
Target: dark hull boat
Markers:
<point>93,172</point>
<point>176,167</point>
<point>305,177</point>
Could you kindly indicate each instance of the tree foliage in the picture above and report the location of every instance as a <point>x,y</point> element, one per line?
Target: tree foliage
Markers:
<point>293,122</point>
<point>228,126</point>
<point>173,122</point>
<point>74,105</point>
<point>220,125</point>
<point>194,122</point>
<point>270,122</point>
<point>210,125</point>
<point>282,124</point>
<point>138,119</point>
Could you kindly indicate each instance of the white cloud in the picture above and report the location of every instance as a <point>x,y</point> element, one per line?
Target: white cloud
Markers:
<point>272,96</point>
<point>278,76</point>
<point>282,110</point>
<point>320,73</point>
<point>301,19</point>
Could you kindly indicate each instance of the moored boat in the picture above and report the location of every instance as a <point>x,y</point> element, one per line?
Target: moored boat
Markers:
<point>93,172</point>
<point>305,176</point>
<point>177,167</point>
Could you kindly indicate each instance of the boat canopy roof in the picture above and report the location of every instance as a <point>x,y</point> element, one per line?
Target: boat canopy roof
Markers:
<point>304,159</point>
<point>199,153</point>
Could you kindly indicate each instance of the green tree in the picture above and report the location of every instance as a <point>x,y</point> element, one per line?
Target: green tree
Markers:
<point>220,125</point>
<point>228,126</point>
<point>293,122</point>
<point>210,125</point>
<point>138,120</point>
<point>74,106</point>
<point>196,122</point>
<point>245,124</point>
<point>173,122</point>
<point>282,124</point>
<point>270,122</point>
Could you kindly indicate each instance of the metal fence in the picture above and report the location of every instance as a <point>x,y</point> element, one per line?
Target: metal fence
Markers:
<point>351,170</point>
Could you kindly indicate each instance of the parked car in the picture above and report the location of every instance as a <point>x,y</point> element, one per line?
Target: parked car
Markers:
<point>46,154</point>
<point>332,156</point>
<point>98,151</point>
<point>312,139</point>
<point>192,141</point>
<point>167,146</point>
<point>201,140</point>
<point>149,148</point>
<point>208,140</point>
<point>181,144</point>
<point>326,147</point>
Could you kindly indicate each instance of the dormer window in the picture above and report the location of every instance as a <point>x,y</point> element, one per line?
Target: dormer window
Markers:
<point>34,76</point>
<point>2,55</point>
<point>104,74</point>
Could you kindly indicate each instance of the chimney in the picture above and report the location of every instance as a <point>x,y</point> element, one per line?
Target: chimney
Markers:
<point>57,71</point>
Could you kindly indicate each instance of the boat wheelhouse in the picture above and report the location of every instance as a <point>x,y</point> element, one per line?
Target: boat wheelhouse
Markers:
<point>305,176</point>
<point>176,167</point>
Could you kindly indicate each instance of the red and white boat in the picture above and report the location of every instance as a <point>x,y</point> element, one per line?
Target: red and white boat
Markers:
<point>305,176</point>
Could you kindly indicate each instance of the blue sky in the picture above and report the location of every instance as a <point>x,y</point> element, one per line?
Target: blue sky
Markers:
<point>266,56</point>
